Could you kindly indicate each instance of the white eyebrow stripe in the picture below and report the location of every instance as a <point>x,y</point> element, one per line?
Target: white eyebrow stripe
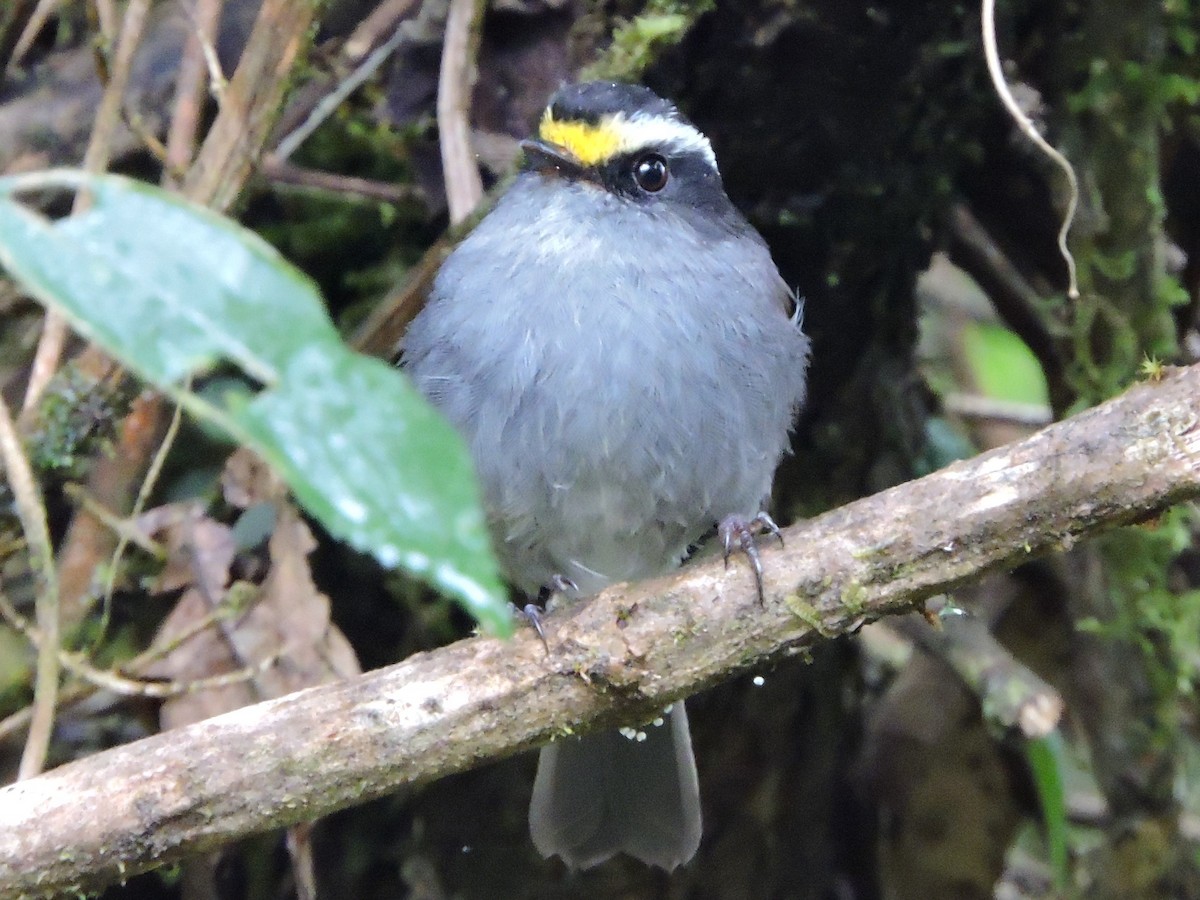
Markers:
<point>646,130</point>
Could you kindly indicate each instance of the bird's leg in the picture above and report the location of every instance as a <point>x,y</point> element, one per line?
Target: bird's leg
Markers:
<point>534,614</point>
<point>738,532</point>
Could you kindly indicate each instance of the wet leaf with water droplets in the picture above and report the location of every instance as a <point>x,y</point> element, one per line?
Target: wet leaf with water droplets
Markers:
<point>172,290</point>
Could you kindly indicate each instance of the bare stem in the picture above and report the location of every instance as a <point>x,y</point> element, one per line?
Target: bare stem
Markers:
<point>32,512</point>
<point>464,188</point>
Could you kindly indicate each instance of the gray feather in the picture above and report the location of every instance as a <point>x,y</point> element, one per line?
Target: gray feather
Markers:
<point>625,375</point>
<point>607,793</point>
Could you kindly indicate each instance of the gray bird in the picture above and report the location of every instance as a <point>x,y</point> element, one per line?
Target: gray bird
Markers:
<point>624,361</point>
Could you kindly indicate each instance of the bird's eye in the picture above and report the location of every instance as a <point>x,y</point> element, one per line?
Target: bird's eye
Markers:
<point>650,173</point>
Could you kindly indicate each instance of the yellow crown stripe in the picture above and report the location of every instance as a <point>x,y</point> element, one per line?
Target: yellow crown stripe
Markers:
<point>588,143</point>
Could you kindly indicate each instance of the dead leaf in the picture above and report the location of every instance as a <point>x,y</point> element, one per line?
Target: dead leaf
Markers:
<point>200,550</point>
<point>247,480</point>
<point>284,636</point>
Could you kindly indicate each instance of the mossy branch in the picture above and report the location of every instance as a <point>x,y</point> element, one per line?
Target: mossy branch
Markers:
<point>616,659</point>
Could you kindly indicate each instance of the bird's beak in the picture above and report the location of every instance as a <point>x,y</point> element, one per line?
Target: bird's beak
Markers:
<point>542,156</point>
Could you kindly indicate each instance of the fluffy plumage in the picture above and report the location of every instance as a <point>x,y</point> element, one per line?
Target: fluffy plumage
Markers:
<point>625,367</point>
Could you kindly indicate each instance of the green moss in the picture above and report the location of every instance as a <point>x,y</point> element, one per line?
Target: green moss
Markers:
<point>681,635</point>
<point>1133,85</point>
<point>355,247</point>
<point>807,613</point>
<point>76,418</point>
<point>854,597</point>
<point>1147,608</point>
<point>637,42</point>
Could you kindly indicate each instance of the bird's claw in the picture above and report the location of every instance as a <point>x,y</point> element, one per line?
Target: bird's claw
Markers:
<point>535,614</point>
<point>532,613</point>
<point>563,585</point>
<point>738,533</point>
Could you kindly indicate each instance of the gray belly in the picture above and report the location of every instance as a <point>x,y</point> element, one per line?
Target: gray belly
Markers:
<point>603,468</point>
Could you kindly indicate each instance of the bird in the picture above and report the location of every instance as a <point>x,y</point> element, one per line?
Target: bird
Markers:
<point>625,363</point>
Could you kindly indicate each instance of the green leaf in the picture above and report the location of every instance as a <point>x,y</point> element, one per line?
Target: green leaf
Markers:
<point>1003,366</point>
<point>172,290</point>
<point>1044,756</point>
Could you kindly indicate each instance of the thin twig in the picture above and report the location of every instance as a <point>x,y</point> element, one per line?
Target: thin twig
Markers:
<point>300,849</point>
<point>163,689</point>
<point>95,159</point>
<point>37,21</point>
<point>84,689</point>
<point>106,19</point>
<point>282,172</point>
<point>975,406</point>
<point>125,528</point>
<point>996,71</point>
<point>32,512</point>
<point>384,19</point>
<point>217,82</point>
<point>77,664</point>
<point>143,131</point>
<point>156,466</point>
<point>380,334</point>
<point>13,23</point>
<point>99,150</point>
<point>331,101</point>
<point>45,358</point>
<point>194,67</point>
<point>460,170</point>
<point>250,104</point>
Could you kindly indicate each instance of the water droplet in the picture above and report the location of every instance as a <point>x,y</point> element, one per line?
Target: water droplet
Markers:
<point>353,509</point>
<point>388,555</point>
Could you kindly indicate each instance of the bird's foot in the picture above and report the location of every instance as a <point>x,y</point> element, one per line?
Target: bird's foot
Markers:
<point>738,533</point>
<point>561,584</point>
<point>535,615</point>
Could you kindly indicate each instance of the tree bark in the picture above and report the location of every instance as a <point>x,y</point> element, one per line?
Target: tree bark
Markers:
<point>617,659</point>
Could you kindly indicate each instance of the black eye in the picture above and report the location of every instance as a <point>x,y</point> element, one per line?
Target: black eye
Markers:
<point>650,173</point>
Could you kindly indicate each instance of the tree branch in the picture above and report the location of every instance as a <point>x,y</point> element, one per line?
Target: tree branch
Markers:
<point>616,659</point>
